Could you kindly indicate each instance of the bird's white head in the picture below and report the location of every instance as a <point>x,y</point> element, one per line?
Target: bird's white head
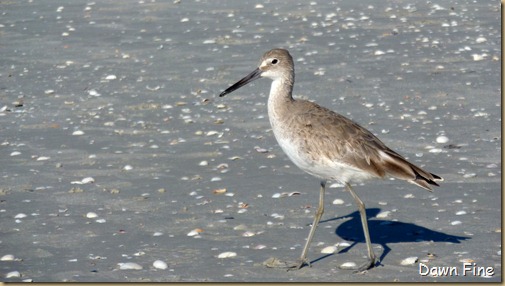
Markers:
<point>276,64</point>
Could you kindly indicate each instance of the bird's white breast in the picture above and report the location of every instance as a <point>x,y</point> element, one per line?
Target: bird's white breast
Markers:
<point>317,165</point>
<point>321,167</point>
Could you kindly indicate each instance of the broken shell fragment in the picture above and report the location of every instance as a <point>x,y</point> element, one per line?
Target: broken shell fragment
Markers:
<point>227,254</point>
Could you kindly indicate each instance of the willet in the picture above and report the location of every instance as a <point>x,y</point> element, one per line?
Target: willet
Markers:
<point>327,145</point>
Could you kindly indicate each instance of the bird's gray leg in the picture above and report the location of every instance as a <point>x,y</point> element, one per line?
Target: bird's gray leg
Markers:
<point>362,211</point>
<point>302,261</point>
<point>317,217</point>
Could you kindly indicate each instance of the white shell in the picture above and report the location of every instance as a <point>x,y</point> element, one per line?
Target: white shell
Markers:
<point>409,260</point>
<point>91,215</point>
<point>344,244</point>
<point>7,257</point>
<point>160,264</point>
<point>88,180</point>
<point>227,254</point>
<point>13,274</point>
<point>329,249</point>
<point>383,214</point>
<point>248,234</point>
<point>129,266</point>
<point>194,232</point>
<point>348,265</point>
<point>20,215</point>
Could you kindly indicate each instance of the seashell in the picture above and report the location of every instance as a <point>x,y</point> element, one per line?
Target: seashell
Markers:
<point>227,254</point>
<point>129,266</point>
<point>159,264</point>
<point>409,260</point>
<point>348,265</point>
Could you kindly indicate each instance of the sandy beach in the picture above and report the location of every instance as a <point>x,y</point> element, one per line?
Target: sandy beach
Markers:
<point>120,163</point>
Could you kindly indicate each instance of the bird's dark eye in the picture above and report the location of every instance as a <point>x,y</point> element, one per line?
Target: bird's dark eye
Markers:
<point>275,61</point>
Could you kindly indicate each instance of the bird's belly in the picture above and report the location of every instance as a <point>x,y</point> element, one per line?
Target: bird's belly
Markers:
<point>320,166</point>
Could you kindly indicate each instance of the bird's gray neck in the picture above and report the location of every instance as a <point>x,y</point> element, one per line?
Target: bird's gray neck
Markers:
<point>280,97</point>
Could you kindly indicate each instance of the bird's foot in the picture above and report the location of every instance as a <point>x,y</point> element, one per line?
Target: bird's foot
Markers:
<point>370,263</point>
<point>273,262</point>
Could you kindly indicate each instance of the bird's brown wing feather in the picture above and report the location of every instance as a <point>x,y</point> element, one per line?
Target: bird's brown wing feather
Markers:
<point>340,138</point>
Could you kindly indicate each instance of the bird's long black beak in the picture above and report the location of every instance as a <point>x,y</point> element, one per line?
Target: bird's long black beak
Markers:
<point>254,75</point>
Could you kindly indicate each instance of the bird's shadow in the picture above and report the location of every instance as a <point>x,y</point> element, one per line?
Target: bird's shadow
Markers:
<point>385,232</point>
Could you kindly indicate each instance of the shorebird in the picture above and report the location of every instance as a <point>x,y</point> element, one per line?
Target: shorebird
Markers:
<point>327,145</point>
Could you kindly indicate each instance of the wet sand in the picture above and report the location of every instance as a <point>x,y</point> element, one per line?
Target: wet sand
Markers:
<point>116,151</point>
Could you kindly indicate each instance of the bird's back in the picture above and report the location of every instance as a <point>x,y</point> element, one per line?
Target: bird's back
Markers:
<point>331,146</point>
